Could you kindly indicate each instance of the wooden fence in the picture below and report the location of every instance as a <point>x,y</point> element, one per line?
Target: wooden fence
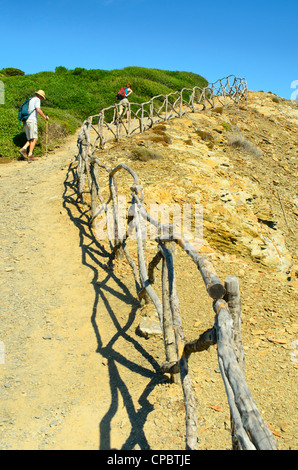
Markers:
<point>248,429</point>
<point>110,125</point>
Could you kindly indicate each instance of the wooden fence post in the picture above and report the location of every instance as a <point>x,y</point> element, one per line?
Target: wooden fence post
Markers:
<point>180,104</point>
<point>117,236</point>
<point>94,188</point>
<point>250,428</point>
<point>191,421</point>
<point>168,328</point>
<point>232,298</point>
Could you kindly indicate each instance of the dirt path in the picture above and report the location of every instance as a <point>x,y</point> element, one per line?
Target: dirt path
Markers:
<point>76,374</point>
<point>54,383</point>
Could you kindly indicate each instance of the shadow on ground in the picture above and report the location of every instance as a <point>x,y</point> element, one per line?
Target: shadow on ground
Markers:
<point>95,256</point>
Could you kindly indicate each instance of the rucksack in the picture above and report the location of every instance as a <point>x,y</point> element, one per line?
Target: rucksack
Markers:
<point>121,94</point>
<point>23,111</point>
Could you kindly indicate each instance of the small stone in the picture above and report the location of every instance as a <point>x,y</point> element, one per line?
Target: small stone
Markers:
<point>4,420</point>
<point>283,425</point>
<point>149,327</point>
<point>53,423</point>
<point>47,336</point>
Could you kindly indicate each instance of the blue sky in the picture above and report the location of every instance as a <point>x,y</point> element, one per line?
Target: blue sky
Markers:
<point>256,39</point>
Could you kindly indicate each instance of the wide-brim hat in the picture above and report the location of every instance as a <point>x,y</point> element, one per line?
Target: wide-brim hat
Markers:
<point>41,93</point>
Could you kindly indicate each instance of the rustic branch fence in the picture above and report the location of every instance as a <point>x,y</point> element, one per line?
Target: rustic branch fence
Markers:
<point>248,429</point>
<point>109,125</point>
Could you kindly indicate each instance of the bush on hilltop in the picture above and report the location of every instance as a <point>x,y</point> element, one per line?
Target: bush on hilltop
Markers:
<point>73,95</point>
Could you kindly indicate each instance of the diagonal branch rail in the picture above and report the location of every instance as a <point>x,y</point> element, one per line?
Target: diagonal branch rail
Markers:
<point>109,125</point>
<point>248,428</point>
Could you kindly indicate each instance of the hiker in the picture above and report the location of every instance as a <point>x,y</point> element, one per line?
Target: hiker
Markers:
<point>30,125</point>
<point>123,101</point>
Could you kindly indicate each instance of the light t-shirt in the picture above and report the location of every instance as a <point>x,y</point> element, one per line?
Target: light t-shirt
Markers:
<point>33,104</point>
<point>127,90</point>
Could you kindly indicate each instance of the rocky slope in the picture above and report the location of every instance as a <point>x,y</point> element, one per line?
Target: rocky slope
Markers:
<point>77,373</point>
<point>239,163</point>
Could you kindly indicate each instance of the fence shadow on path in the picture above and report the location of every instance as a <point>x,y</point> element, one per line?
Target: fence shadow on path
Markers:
<point>248,429</point>
<point>98,260</point>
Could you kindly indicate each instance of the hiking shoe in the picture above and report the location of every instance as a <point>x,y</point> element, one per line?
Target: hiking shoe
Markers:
<point>31,159</point>
<point>23,153</point>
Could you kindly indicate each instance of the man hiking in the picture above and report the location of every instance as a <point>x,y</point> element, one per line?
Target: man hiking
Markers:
<point>30,125</point>
<point>123,101</point>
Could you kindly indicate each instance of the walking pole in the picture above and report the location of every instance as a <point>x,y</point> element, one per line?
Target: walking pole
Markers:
<point>46,138</point>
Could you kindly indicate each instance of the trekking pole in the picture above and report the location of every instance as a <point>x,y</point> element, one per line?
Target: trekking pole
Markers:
<point>46,138</point>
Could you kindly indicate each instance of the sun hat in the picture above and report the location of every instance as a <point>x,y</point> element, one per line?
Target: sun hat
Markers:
<point>41,93</point>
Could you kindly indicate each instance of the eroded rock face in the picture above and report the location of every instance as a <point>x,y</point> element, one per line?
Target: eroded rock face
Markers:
<point>236,219</point>
<point>239,183</point>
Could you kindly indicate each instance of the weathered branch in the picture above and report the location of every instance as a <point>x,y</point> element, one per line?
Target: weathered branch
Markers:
<point>159,108</point>
<point>142,267</point>
<point>168,327</point>
<point>192,437</point>
<point>239,396</point>
<point>206,339</point>
<point>213,285</point>
<point>248,429</point>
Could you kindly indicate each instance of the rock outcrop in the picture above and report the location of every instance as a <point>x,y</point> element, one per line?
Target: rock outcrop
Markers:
<point>239,164</point>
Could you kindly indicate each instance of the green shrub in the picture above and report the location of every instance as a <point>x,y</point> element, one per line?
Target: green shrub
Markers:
<point>8,131</point>
<point>13,136</point>
<point>11,72</point>
<point>79,71</point>
<point>73,95</point>
<point>60,69</point>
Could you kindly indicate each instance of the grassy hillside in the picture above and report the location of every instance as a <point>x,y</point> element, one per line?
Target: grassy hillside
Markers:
<point>73,95</point>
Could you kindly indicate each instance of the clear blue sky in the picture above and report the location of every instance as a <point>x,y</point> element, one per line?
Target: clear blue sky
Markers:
<point>256,39</point>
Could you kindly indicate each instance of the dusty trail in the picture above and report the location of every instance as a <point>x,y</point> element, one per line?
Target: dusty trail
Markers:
<point>76,374</point>
<point>62,351</point>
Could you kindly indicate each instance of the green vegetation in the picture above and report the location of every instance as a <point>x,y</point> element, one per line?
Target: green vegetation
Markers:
<point>73,95</point>
<point>11,72</point>
<point>226,126</point>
